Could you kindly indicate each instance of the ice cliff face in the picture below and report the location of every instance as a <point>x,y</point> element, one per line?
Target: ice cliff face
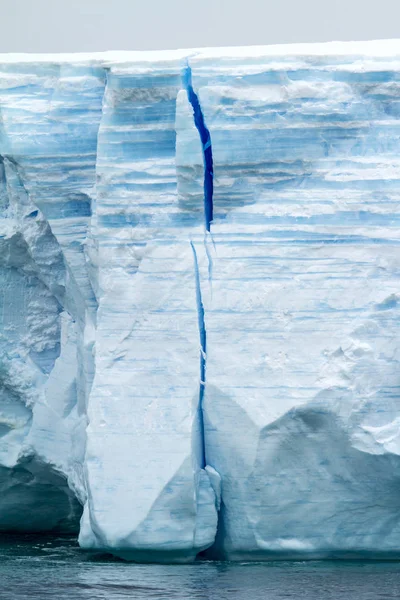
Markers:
<point>200,300</point>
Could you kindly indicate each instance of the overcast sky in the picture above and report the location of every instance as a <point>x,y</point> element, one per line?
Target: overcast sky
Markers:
<point>86,25</point>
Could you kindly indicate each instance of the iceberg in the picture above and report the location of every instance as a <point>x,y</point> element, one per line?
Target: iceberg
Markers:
<point>200,300</point>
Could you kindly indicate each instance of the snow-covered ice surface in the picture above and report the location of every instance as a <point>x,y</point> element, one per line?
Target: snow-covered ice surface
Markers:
<point>200,300</point>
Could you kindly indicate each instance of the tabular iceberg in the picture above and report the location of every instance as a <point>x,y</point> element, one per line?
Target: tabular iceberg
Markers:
<point>200,300</point>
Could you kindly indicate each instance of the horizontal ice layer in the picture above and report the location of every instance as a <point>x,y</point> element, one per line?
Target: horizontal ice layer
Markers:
<point>250,369</point>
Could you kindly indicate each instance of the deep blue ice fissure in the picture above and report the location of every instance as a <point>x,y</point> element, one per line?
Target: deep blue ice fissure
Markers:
<point>206,146</point>
<point>205,138</point>
<point>203,350</point>
<point>3,185</point>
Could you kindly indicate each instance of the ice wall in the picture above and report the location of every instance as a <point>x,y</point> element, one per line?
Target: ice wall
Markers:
<point>302,386</point>
<point>199,295</point>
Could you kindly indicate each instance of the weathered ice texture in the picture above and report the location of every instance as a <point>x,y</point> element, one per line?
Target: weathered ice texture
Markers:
<point>200,300</point>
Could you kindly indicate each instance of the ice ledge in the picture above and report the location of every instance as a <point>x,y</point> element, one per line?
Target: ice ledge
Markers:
<point>372,48</point>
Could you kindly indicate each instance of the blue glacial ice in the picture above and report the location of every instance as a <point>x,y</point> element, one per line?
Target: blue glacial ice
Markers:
<point>200,300</point>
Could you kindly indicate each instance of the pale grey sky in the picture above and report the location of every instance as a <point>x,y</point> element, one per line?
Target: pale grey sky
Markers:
<point>86,25</point>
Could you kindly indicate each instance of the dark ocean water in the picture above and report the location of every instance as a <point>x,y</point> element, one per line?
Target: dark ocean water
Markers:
<point>55,568</point>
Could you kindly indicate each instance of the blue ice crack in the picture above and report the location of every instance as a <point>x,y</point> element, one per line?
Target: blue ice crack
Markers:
<point>206,145</point>
<point>203,350</point>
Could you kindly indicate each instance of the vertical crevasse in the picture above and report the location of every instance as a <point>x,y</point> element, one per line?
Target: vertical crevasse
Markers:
<point>206,146</point>
<point>203,350</point>
<point>205,139</point>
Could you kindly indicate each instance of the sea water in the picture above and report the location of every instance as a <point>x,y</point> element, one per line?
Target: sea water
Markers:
<point>51,567</point>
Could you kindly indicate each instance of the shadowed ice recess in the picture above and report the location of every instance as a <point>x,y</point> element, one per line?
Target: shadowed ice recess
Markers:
<point>199,301</point>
